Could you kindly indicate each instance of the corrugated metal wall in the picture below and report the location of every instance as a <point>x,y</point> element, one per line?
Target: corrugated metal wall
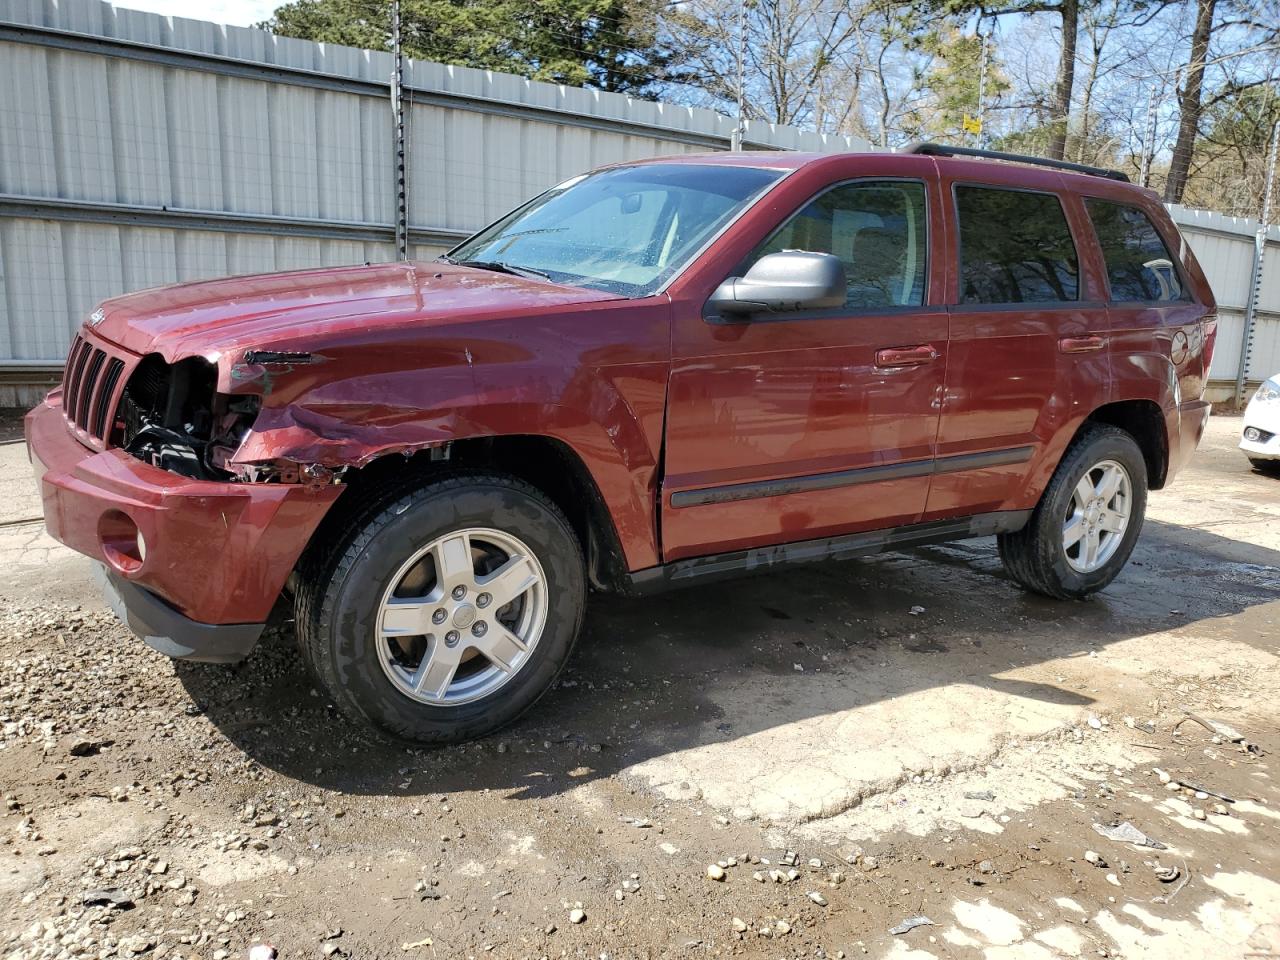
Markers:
<point>138,150</point>
<point>1225,248</point>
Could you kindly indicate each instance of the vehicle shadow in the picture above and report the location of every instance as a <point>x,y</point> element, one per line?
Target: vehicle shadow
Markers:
<point>650,675</point>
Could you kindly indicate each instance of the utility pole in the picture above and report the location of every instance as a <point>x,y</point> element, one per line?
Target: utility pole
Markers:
<point>735,139</point>
<point>1149,139</point>
<point>1259,255</point>
<point>397,114</point>
<point>981,138</point>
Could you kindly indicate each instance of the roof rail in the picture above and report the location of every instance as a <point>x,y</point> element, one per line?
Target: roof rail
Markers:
<point>942,150</point>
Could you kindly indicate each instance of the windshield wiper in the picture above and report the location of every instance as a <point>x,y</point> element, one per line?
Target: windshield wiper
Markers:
<point>502,267</point>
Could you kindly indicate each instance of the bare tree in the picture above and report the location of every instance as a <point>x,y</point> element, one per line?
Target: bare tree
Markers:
<point>1234,49</point>
<point>891,59</point>
<point>1098,25</point>
<point>1067,13</point>
<point>790,45</point>
<point>1189,105</point>
<point>1102,81</point>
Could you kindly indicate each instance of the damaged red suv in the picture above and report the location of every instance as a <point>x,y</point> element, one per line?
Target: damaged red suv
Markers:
<point>654,374</point>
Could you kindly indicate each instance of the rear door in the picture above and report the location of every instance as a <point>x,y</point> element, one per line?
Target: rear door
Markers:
<point>796,426</point>
<point>1027,348</point>
<point>1152,310</point>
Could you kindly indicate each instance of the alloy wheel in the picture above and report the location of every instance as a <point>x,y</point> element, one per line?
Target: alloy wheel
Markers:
<point>461,617</point>
<point>1097,516</point>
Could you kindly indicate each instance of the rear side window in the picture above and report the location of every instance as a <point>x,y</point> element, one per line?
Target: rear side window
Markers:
<point>1015,247</point>
<point>1139,267</point>
<point>876,228</point>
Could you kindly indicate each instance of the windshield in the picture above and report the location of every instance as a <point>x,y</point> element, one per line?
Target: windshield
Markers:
<point>624,230</point>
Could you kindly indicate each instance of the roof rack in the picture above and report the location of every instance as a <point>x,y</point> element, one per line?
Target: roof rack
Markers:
<point>942,150</point>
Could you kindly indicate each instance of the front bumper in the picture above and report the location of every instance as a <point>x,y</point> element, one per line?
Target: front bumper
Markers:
<point>212,554</point>
<point>163,628</point>
<point>1260,433</point>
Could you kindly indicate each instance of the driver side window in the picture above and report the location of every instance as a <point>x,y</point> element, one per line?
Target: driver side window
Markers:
<point>878,231</point>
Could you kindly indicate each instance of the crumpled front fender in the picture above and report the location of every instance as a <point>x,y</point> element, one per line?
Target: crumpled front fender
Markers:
<point>603,427</point>
<point>592,377</point>
<point>307,437</point>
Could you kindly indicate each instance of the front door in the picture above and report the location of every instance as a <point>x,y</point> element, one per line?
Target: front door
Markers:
<point>796,426</point>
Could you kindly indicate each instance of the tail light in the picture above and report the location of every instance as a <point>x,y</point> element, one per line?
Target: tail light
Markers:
<point>1209,330</point>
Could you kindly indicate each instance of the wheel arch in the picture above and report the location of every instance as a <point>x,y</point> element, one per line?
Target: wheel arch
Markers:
<point>547,463</point>
<point>1145,422</point>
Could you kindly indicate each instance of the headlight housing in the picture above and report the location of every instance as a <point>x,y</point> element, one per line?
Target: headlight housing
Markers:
<point>1269,392</point>
<point>174,418</point>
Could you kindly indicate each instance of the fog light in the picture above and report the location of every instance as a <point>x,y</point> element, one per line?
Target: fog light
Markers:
<point>1252,434</point>
<point>123,545</point>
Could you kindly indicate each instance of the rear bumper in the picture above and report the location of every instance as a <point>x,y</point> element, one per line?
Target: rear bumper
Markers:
<point>1186,429</point>
<point>163,628</point>
<point>211,553</point>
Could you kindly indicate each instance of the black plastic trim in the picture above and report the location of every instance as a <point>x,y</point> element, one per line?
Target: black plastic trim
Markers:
<point>1028,306</point>
<point>845,478</point>
<point>720,566</point>
<point>942,150</point>
<point>167,631</point>
<point>832,313</point>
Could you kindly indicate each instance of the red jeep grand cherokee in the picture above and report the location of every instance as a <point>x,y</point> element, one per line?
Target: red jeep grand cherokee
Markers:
<point>659,372</point>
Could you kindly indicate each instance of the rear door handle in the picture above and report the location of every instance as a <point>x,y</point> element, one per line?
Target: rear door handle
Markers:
<point>906,356</point>
<point>1086,344</point>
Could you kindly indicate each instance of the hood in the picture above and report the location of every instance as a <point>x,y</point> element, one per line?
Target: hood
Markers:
<point>216,317</point>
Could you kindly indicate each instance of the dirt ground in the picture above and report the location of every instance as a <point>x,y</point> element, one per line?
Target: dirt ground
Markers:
<point>848,746</point>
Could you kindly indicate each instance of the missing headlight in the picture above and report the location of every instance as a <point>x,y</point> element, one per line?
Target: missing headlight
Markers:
<point>174,419</point>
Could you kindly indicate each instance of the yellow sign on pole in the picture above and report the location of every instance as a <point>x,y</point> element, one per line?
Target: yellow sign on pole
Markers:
<point>971,125</point>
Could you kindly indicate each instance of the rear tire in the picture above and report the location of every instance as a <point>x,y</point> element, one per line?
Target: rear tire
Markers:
<point>1087,521</point>
<point>444,612</point>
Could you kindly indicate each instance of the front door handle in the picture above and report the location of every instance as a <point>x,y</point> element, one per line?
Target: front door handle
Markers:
<point>906,356</point>
<point>1085,344</point>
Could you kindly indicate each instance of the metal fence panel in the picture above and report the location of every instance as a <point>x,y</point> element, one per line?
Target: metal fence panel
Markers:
<point>26,122</point>
<point>1265,357</point>
<point>1224,246</point>
<point>138,150</point>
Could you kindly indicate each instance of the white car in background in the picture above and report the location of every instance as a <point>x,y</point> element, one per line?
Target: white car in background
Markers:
<point>1260,440</point>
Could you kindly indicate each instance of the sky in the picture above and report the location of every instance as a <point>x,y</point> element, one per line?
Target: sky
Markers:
<point>239,13</point>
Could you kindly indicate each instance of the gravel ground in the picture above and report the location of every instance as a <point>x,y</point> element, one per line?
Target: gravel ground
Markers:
<point>789,766</point>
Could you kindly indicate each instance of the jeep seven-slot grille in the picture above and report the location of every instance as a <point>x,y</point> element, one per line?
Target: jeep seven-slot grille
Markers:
<point>89,387</point>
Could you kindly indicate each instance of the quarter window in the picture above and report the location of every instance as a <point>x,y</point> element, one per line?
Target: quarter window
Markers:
<point>1015,247</point>
<point>877,229</point>
<point>1139,267</point>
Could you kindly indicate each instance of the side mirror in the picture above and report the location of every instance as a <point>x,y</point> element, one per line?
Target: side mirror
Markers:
<point>780,282</point>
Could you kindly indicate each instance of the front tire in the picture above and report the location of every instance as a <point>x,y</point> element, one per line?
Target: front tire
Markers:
<point>1270,468</point>
<point>444,613</point>
<point>1087,521</point>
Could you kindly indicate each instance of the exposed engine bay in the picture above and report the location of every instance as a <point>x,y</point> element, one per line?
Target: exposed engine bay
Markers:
<point>174,418</point>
